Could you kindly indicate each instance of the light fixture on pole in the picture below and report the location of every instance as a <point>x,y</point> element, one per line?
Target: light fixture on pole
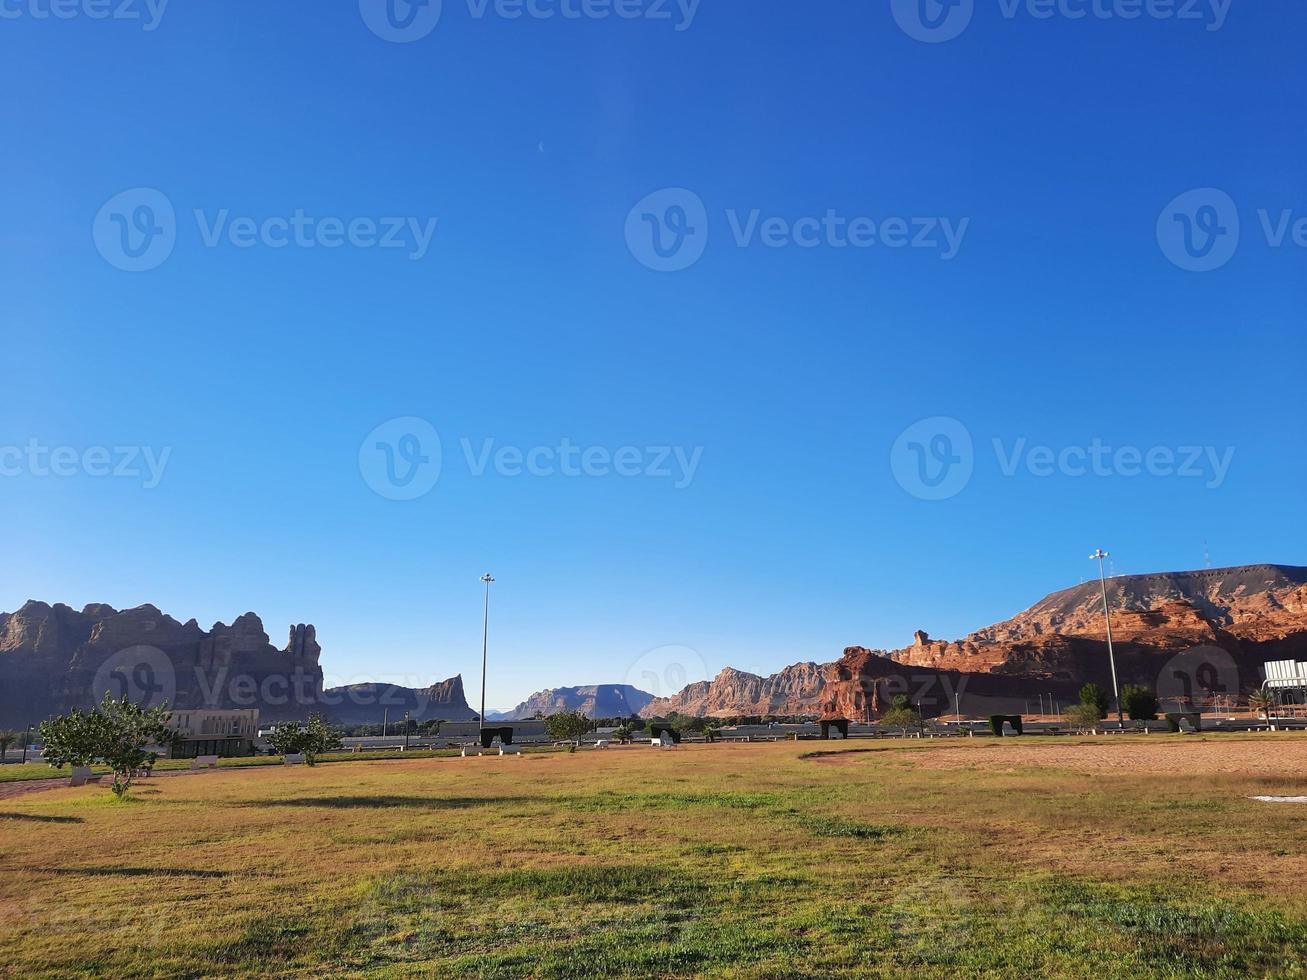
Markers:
<point>1099,554</point>
<point>485,636</point>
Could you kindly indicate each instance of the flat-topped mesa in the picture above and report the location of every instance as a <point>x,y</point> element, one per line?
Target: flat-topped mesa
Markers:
<point>372,703</point>
<point>591,700</point>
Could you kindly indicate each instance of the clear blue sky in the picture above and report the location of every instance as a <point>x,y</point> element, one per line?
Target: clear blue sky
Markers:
<point>530,320</point>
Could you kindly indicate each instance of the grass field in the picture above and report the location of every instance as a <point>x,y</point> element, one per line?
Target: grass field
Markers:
<point>1029,857</point>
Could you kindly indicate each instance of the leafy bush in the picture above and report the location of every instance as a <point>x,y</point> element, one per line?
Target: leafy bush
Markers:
<point>567,726</point>
<point>1092,694</point>
<point>116,733</point>
<point>1084,715</point>
<point>901,717</point>
<point>1139,703</point>
<point>313,739</point>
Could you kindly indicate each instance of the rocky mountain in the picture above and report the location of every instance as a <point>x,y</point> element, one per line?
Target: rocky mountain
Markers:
<point>54,658</point>
<point>593,701</point>
<point>795,690</point>
<point>370,704</point>
<point>1181,633</point>
<point>1253,612</point>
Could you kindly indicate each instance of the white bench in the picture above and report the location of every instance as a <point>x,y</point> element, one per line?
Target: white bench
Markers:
<point>510,750</point>
<point>601,744</point>
<point>663,741</point>
<point>293,759</point>
<point>470,750</point>
<point>204,762</point>
<point>82,775</point>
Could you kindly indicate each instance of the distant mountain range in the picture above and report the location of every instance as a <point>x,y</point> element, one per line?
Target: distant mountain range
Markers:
<point>54,658</point>
<point>593,701</point>
<point>371,704</point>
<point>795,690</point>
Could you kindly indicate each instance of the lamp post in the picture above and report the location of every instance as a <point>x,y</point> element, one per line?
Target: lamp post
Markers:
<point>485,636</point>
<point>1099,555</point>
<point>405,731</point>
<point>27,740</point>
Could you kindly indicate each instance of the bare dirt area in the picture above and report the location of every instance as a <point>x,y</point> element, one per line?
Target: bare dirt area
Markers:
<point>1246,755</point>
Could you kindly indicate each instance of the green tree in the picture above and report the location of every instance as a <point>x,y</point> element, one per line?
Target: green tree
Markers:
<point>318,738</point>
<point>901,717</point>
<point>623,734</point>
<point>7,738</point>
<point>1084,715</point>
<point>1139,703</point>
<point>117,733</point>
<point>566,726</point>
<point>1094,695</point>
<point>285,737</point>
<point>712,731</point>
<point>1261,701</point>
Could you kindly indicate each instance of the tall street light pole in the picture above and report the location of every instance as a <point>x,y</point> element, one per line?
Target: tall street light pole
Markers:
<point>485,636</point>
<point>1100,555</point>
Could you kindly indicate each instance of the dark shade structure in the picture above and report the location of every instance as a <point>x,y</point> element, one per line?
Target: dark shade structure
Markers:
<point>841,725</point>
<point>996,723</point>
<point>488,735</point>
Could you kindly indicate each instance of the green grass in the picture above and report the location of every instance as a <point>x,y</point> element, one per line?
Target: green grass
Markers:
<point>723,861</point>
<point>17,771</point>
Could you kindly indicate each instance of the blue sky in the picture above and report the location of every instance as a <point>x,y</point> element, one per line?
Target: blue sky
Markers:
<point>1062,320</point>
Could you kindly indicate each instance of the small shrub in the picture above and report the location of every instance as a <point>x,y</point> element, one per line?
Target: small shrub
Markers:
<point>1139,703</point>
<point>1094,695</point>
<point>1084,715</point>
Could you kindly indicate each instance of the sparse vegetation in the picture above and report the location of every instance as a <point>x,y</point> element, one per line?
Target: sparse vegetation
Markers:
<point>1262,702</point>
<point>313,739</point>
<point>730,860</point>
<point>1139,703</point>
<point>1084,716</point>
<point>1095,696</point>
<point>566,726</point>
<point>119,734</point>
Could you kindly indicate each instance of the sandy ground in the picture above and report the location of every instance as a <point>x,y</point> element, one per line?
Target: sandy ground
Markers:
<point>21,787</point>
<point>1155,753</point>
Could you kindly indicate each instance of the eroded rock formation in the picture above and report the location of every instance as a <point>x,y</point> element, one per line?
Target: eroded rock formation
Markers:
<point>371,704</point>
<point>593,701</point>
<point>54,658</point>
<point>795,690</point>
